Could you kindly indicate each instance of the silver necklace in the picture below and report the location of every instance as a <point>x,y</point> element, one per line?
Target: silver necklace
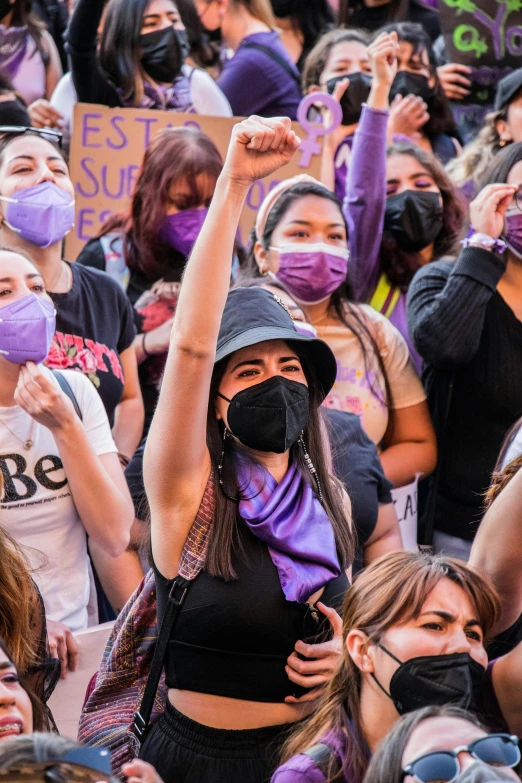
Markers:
<point>28,442</point>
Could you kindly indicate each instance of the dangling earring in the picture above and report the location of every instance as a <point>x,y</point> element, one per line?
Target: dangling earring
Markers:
<point>220,470</point>
<point>264,271</point>
<point>311,468</point>
<point>502,142</point>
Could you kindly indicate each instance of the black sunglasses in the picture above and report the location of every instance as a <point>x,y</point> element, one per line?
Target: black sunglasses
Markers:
<point>497,750</point>
<point>55,137</point>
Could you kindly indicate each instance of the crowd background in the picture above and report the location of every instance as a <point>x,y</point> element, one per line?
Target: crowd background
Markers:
<point>203,436</point>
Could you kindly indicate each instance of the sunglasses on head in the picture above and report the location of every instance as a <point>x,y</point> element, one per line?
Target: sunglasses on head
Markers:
<point>497,750</point>
<point>55,137</point>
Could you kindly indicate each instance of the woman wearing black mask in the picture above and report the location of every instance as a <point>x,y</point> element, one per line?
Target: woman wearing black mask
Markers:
<point>414,632</point>
<point>402,213</point>
<point>141,58</point>
<point>465,321</point>
<point>237,439</point>
<point>417,77</point>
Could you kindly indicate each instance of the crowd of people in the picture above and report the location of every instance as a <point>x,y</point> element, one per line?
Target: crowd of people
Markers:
<point>203,440</point>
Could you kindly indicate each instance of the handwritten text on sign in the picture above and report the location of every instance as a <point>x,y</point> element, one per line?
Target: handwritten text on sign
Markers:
<point>106,152</point>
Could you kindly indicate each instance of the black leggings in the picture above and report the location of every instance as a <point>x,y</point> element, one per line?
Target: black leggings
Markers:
<point>183,751</point>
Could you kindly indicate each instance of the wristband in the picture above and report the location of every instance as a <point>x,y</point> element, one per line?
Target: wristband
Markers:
<point>143,348</point>
<point>475,238</point>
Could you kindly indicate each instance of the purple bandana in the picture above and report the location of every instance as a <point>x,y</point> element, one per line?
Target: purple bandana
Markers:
<point>290,520</point>
<point>13,45</point>
<point>177,97</point>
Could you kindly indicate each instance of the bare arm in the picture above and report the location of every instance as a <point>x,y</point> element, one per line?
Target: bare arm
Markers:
<point>97,484</point>
<point>508,687</point>
<point>130,414</point>
<point>177,462</point>
<point>497,550</point>
<point>386,537</point>
<point>119,576</point>
<point>410,445</point>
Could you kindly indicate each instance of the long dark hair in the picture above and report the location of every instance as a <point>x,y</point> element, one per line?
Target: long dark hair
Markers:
<point>400,265</point>
<point>204,52</point>
<point>341,302</point>
<point>441,118</point>
<point>318,57</point>
<point>120,51</point>
<point>23,14</point>
<point>312,18</point>
<point>38,707</point>
<point>397,10</point>
<point>224,540</point>
<point>175,154</point>
<point>391,590</point>
<point>386,764</point>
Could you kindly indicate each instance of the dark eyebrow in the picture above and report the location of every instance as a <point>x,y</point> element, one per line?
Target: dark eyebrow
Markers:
<point>450,618</point>
<point>308,223</point>
<point>30,276</point>
<point>260,362</point>
<point>7,665</point>
<point>31,157</point>
<point>420,174</point>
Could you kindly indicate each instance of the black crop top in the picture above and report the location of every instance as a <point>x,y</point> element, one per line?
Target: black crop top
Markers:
<point>233,638</point>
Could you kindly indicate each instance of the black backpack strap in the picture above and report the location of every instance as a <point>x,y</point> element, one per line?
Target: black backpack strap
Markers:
<point>275,57</point>
<point>178,592</point>
<point>326,759</point>
<point>66,388</point>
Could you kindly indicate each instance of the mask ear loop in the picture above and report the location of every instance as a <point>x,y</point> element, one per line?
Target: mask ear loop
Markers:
<point>311,467</point>
<point>220,467</point>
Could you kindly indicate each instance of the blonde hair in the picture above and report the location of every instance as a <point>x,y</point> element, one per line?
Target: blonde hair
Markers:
<point>478,154</point>
<point>391,590</point>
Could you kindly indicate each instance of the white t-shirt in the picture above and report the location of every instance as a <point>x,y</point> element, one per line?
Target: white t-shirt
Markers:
<point>37,508</point>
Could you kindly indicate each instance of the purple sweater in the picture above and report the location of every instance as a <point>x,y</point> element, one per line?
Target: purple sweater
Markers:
<point>363,209</point>
<point>255,83</point>
<point>303,769</point>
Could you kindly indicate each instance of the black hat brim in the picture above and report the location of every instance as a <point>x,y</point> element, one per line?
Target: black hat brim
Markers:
<point>317,352</point>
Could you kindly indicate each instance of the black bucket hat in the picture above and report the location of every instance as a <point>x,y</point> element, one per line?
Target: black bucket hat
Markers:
<point>253,315</point>
<point>507,87</point>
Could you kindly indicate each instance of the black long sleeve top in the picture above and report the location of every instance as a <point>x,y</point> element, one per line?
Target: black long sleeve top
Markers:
<point>464,330</point>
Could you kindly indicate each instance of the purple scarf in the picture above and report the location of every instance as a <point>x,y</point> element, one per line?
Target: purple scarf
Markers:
<point>13,46</point>
<point>290,520</point>
<point>177,97</point>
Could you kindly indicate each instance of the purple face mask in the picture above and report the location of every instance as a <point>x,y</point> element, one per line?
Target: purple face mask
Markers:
<point>26,329</point>
<point>311,272</point>
<point>513,232</point>
<point>180,231</point>
<point>42,214</point>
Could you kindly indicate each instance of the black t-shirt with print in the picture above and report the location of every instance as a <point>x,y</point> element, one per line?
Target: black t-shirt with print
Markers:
<point>94,325</point>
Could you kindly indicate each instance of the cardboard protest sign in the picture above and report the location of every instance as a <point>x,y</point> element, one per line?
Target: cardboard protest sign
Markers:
<point>405,501</point>
<point>107,149</point>
<point>486,36</point>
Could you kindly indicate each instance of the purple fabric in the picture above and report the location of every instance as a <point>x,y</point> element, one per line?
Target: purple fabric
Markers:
<point>290,520</point>
<point>312,272</point>
<point>13,48</point>
<point>27,329</point>
<point>181,230</point>
<point>255,84</point>
<point>303,769</point>
<point>342,154</point>
<point>177,97</point>
<point>363,209</point>
<point>41,214</point>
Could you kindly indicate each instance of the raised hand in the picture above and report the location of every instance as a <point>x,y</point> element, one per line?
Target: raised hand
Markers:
<point>487,211</point>
<point>42,398</point>
<point>454,81</point>
<point>383,58</point>
<point>258,147</point>
<point>407,115</point>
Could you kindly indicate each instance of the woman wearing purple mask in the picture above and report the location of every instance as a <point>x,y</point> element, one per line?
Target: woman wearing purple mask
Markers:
<point>465,321</point>
<point>94,322</point>
<point>51,459</point>
<point>301,240</point>
<point>146,249</point>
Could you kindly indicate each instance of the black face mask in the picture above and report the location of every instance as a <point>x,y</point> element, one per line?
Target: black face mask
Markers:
<point>283,8</point>
<point>413,218</point>
<point>161,54</point>
<point>269,416</point>
<point>435,680</point>
<point>406,83</point>
<point>354,96</point>
<point>14,113</point>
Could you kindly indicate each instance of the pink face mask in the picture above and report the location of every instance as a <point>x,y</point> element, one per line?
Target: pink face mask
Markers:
<point>312,272</point>
<point>513,232</point>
